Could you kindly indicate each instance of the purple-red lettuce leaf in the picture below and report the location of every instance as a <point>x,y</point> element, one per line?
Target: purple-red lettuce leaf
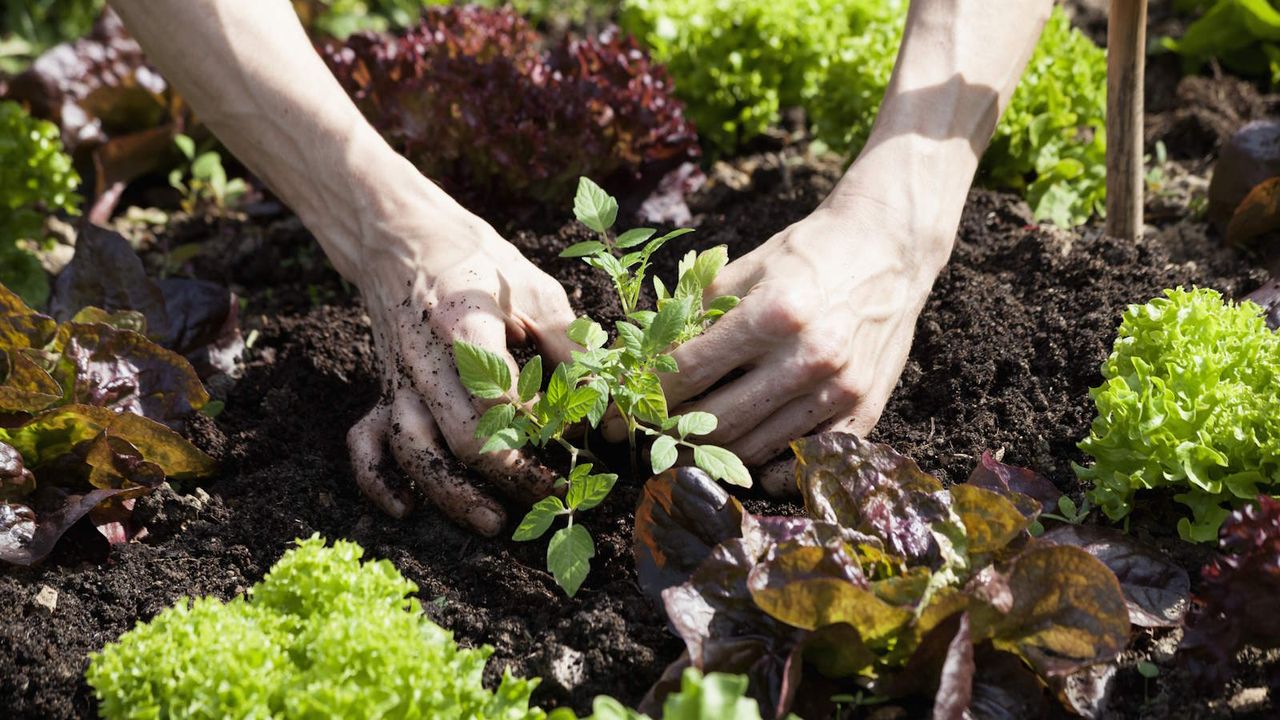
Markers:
<point>124,371</point>
<point>724,631</point>
<point>1156,591</point>
<point>26,541</point>
<point>868,488</point>
<point>1238,595</point>
<point>992,474</point>
<point>194,318</point>
<point>474,98</point>
<point>876,583</point>
<point>15,479</point>
<point>683,514</point>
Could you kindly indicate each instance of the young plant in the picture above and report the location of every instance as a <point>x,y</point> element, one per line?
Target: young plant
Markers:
<point>36,180</point>
<point>1188,402</point>
<point>206,185</point>
<point>323,635</point>
<point>624,372</point>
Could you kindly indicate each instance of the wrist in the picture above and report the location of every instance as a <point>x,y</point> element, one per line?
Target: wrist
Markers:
<point>917,187</point>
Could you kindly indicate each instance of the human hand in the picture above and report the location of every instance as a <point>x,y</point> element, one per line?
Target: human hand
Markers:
<point>827,316</point>
<point>455,279</point>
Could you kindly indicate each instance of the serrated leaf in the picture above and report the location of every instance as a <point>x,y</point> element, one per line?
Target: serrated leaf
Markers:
<point>665,328</point>
<point>632,338</point>
<point>721,465</point>
<point>607,263</point>
<point>495,419</point>
<point>663,454</point>
<point>582,249</point>
<point>587,333</point>
<point>589,491</point>
<point>601,405</point>
<point>633,237</point>
<point>594,207</point>
<point>724,304</point>
<point>643,318</point>
<point>581,401</point>
<point>484,373</point>
<point>696,423</point>
<point>530,379</point>
<point>698,276</point>
<point>538,519</point>
<point>665,363</point>
<point>508,439</point>
<point>569,557</point>
<point>558,389</point>
<point>647,401</point>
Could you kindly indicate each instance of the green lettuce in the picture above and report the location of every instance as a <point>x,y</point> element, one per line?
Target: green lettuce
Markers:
<point>1244,35</point>
<point>322,635</point>
<point>1189,402</point>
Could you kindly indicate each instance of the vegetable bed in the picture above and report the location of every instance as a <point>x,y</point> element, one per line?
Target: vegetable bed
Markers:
<point>1006,351</point>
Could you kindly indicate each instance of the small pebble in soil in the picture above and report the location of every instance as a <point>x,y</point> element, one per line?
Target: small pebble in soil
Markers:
<point>46,598</point>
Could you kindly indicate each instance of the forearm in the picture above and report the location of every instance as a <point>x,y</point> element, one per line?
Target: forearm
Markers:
<point>958,65</point>
<point>252,76</point>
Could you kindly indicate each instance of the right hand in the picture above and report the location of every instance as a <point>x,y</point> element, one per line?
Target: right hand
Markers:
<point>426,283</point>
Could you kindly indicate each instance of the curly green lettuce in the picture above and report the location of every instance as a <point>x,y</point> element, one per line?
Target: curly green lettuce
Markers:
<point>1049,144</point>
<point>1189,401</point>
<point>323,635</point>
<point>36,179</point>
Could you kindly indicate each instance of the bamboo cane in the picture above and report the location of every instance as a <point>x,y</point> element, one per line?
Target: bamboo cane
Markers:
<point>1126,58</point>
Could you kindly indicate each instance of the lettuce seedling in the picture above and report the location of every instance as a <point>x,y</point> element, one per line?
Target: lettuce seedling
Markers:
<point>36,180</point>
<point>1188,402</point>
<point>889,583</point>
<point>322,635</point>
<point>624,372</point>
<point>84,412</point>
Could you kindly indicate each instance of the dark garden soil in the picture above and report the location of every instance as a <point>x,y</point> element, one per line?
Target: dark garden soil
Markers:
<point>1005,352</point>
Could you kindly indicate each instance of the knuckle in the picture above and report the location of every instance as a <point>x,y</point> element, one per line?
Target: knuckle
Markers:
<point>784,312</point>
<point>821,358</point>
<point>843,394</point>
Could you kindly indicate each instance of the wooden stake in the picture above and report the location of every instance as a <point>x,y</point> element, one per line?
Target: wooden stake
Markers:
<point>1126,60</point>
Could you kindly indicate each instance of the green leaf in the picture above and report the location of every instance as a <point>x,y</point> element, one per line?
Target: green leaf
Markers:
<point>633,237</point>
<point>660,289</point>
<point>569,557</point>
<point>647,401</point>
<point>596,413</point>
<point>1067,507</point>
<point>582,249</point>
<point>507,439</point>
<point>658,242</point>
<point>721,465</point>
<point>590,490</point>
<point>206,166</point>
<point>665,363</point>
<point>495,419</point>
<point>609,264</point>
<point>699,276</point>
<point>632,338</point>
<point>539,519</point>
<point>663,454</point>
<point>186,145</point>
<point>696,423</point>
<point>587,333</point>
<point>665,328</point>
<point>581,401</point>
<point>558,388</point>
<point>530,379</point>
<point>594,207</point>
<point>723,304</point>
<point>643,318</point>
<point>484,374</point>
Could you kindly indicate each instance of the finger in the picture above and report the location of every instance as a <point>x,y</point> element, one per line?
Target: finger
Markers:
<point>778,477</point>
<point>726,346</point>
<point>416,447</point>
<point>365,442</point>
<point>796,419</point>
<point>747,402</point>
<point>550,329</point>
<point>456,414</point>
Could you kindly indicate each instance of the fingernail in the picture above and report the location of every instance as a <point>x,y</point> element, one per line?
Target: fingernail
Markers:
<point>486,521</point>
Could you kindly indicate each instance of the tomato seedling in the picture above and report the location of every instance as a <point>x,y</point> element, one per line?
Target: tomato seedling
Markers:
<point>624,373</point>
